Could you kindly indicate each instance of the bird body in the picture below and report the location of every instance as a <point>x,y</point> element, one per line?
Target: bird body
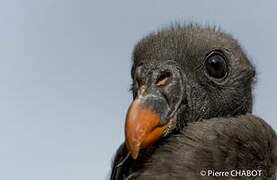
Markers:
<point>222,144</point>
<point>191,114</point>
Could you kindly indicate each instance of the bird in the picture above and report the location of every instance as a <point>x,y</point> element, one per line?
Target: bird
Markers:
<point>191,115</point>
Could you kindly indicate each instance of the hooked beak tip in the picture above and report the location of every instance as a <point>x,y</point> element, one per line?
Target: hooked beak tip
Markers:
<point>142,127</point>
<point>134,151</point>
<point>140,121</point>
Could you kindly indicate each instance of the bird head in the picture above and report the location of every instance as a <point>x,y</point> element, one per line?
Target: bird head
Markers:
<point>181,75</point>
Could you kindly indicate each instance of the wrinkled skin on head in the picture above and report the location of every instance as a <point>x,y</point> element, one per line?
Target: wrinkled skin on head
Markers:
<point>205,97</point>
<point>184,75</point>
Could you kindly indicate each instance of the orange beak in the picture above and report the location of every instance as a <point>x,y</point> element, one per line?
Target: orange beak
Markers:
<point>142,127</point>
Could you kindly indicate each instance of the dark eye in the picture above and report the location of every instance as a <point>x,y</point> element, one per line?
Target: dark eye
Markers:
<point>216,65</point>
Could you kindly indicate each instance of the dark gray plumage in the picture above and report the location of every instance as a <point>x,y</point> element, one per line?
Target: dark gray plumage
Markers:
<point>198,82</point>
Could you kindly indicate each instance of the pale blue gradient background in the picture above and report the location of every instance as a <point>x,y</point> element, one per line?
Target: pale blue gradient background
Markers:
<point>64,75</point>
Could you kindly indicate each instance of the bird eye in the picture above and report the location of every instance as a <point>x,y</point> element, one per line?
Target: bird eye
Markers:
<point>216,65</point>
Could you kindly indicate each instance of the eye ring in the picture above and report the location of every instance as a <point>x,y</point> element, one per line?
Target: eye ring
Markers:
<point>216,65</point>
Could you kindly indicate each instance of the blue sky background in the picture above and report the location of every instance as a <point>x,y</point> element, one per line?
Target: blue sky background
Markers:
<point>64,75</point>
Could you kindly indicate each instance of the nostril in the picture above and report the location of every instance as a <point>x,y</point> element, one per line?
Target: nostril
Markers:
<point>162,79</point>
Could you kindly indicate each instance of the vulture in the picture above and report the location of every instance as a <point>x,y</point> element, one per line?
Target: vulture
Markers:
<point>191,115</point>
